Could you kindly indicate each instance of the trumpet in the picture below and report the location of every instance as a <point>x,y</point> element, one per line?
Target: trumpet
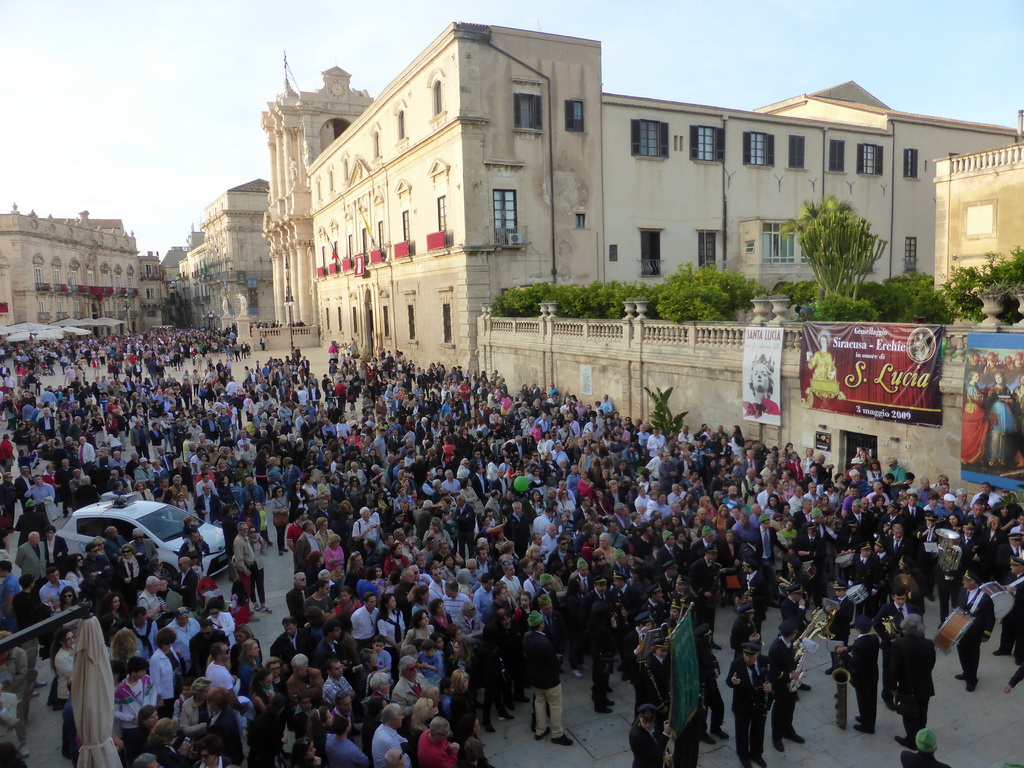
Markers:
<point>814,627</point>
<point>892,632</point>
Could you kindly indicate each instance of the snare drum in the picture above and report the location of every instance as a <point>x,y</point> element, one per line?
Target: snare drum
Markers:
<point>858,593</point>
<point>1002,600</point>
<point>952,630</point>
<point>844,561</point>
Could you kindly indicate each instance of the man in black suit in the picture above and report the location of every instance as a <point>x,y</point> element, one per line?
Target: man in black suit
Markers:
<point>867,572</point>
<point>861,659</point>
<point>646,742</point>
<point>782,659</point>
<point>295,598</point>
<point>759,583</point>
<point>1011,636</point>
<point>185,583</point>
<point>892,613</point>
<point>810,547</point>
<point>710,695</point>
<point>913,659</point>
<point>842,619</point>
<point>703,577</point>
<point>200,645</point>
<point>979,605</point>
<point>794,607</point>
<point>542,670</point>
<point>294,639</point>
<point>924,757</point>
<point>751,688</point>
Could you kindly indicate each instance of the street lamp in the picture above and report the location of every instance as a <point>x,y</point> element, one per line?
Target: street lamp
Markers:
<point>289,305</point>
<point>209,319</point>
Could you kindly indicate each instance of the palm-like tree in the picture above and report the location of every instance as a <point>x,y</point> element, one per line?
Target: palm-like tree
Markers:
<point>810,210</point>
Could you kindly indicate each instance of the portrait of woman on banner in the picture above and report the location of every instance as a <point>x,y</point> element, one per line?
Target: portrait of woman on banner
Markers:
<point>975,421</point>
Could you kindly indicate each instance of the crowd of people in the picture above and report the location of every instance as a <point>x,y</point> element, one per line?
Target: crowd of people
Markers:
<point>453,544</point>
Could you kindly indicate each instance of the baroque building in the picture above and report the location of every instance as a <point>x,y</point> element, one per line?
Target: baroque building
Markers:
<point>299,126</point>
<point>494,160</point>
<point>227,268</point>
<point>79,268</point>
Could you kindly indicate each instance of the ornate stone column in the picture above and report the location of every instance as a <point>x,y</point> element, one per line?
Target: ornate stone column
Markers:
<point>289,158</point>
<point>281,185</point>
<point>272,146</point>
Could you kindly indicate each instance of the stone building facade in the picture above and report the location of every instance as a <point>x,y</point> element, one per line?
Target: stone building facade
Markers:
<point>299,127</point>
<point>708,185</point>
<point>227,268</point>
<point>494,160</point>
<point>979,200</point>
<point>51,269</point>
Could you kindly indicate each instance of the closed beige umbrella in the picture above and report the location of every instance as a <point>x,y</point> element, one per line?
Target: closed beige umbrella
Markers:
<point>92,695</point>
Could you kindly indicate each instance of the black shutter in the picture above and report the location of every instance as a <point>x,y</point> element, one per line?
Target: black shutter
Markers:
<point>878,160</point>
<point>769,149</point>
<point>539,122</point>
<point>663,133</point>
<point>634,130</point>
<point>720,144</point>
<point>569,122</point>
<point>860,158</point>
<point>515,108</point>
<point>746,147</point>
<point>694,138</point>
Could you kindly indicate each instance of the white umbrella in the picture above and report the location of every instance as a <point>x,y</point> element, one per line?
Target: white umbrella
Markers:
<point>92,696</point>
<point>85,322</point>
<point>109,322</point>
<point>49,333</point>
<point>27,327</point>
<point>70,329</point>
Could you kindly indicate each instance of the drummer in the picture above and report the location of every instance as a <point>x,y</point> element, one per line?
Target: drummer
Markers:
<point>1011,636</point>
<point>974,601</point>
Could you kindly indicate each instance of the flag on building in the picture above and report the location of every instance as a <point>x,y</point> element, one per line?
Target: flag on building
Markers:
<point>334,250</point>
<point>685,675</point>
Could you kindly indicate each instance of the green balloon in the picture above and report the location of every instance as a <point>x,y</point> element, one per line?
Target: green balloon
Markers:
<point>521,484</point>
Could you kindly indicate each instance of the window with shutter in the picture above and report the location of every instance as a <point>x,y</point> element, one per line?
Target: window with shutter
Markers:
<point>707,143</point>
<point>574,115</point>
<point>869,159</point>
<point>758,148</point>
<point>837,156</point>
<point>796,152</point>
<point>649,138</point>
<point>910,163</point>
<point>527,108</point>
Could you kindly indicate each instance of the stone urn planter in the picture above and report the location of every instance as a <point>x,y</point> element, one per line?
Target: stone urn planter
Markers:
<point>630,309</point>
<point>641,309</point>
<point>780,305</point>
<point>762,310</point>
<point>992,305</point>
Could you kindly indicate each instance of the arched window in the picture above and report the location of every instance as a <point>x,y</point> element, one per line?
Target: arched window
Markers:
<point>437,98</point>
<point>330,181</point>
<point>401,125</point>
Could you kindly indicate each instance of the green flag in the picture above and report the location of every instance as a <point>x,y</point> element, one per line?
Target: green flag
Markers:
<point>685,675</point>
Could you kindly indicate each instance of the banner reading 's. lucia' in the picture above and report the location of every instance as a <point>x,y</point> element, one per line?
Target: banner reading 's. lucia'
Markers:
<point>880,371</point>
<point>761,386</point>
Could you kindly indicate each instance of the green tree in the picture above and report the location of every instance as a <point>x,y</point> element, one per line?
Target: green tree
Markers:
<point>811,210</point>
<point>961,290</point>
<point>661,417</point>
<point>704,295</point>
<point>843,309</point>
<point>841,251</point>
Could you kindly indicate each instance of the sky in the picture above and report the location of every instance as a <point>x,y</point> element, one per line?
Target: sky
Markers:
<point>147,112</point>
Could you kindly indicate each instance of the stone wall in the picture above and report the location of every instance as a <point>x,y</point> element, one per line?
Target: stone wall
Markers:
<point>702,362</point>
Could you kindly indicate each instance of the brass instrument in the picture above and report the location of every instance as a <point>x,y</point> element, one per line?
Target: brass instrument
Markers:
<point>950,552</point>
<point>831,609</point>
<point>841,676</point>
<point>892,632</point>
<point>718,587</point>
<point>648,639</point>
<point>814,627</point>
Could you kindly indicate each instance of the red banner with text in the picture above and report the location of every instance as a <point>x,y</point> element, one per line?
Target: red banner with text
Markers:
<point>879,371</point>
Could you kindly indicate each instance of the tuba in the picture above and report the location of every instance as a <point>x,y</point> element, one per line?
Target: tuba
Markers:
<point>816,624</point>
<point>950,552</point>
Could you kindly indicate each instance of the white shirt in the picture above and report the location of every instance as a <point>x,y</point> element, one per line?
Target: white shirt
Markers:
<point>219,676</point>
<point>161,672</point>
<point>364,623</point>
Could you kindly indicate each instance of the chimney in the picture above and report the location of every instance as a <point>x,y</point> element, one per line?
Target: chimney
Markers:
<point>83,217</point>
<point>1020,124</point>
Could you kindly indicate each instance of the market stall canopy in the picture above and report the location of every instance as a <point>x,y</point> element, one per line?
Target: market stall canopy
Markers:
<point>18,327</point>
<point>43,335</point>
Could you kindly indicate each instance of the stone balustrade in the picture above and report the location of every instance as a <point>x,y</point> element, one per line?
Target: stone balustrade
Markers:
<point>987,161</point>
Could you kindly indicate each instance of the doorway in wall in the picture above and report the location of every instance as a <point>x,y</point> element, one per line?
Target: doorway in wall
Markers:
<point>853,442</point>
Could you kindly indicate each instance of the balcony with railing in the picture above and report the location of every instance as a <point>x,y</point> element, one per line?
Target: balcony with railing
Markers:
<point>439,240</point>
<point>405,249</point>
<point>650,268</point>
<point>44,317</point>
<point>42,287</point>
<point>509,237</point>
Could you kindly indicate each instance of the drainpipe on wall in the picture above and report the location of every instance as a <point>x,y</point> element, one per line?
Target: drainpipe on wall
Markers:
<point>892,199</point>
<point>725,205</point>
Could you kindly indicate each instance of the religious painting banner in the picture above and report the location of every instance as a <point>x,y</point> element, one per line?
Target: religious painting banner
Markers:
<point>991,434</point>
<point>762,372</point>
<point>881,371</point>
